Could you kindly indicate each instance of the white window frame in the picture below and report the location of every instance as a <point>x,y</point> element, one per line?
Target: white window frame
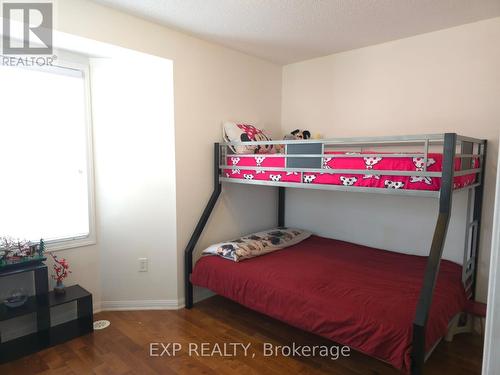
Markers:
<point>75,62</point>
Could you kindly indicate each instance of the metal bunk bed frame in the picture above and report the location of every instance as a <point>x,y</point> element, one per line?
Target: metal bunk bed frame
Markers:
<point>470,149</point>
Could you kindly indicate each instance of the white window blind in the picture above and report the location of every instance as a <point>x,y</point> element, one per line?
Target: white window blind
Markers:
<point>44,184</point>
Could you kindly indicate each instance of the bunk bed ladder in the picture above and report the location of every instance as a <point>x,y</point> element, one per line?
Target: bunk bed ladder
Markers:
<point>477,213</point>
<point>473,225</point>
<point>188,252</point>
<point>475,199</point>
<point>432,268</point>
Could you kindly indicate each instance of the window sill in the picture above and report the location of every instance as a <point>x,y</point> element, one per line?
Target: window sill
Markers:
<point>60,245</point>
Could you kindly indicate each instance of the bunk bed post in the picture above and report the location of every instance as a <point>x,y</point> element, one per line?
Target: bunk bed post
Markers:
<point>281,206</point>
<point>477,211</point>
<point>188,252</point>
<point>433,261</point>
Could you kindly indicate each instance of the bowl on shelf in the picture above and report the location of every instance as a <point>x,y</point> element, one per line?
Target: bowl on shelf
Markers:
<point>17,298</point>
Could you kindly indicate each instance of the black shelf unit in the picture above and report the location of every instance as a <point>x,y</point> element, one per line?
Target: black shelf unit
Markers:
<point>29,307</point>
<point>40,304</point>
<point>84,322</point>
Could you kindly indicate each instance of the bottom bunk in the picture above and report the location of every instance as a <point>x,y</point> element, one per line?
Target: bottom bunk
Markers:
<point>357,296</point>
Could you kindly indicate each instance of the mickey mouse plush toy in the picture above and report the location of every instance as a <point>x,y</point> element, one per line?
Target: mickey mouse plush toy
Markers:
<point>298,134</point>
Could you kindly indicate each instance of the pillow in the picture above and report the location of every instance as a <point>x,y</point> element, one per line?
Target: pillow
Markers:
<point>256,244</point>
<point>233,132</point>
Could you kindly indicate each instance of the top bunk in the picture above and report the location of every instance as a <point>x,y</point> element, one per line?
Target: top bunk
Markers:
<point>417,165</point>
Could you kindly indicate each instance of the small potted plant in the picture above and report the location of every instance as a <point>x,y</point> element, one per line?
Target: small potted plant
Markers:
<point>61,269</point>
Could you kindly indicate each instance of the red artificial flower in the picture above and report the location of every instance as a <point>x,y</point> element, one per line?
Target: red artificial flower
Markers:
<point>61,268</point>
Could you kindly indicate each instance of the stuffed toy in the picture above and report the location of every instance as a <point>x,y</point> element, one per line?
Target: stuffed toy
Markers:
<point>298,134</point>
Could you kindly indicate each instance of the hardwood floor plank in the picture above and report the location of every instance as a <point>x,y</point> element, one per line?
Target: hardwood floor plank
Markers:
<point>124,347</point>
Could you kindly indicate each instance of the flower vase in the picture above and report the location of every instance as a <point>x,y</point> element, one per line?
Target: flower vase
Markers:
<point>59,289</point>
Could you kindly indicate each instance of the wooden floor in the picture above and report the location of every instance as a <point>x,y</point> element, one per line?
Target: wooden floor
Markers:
<point>123,348</point>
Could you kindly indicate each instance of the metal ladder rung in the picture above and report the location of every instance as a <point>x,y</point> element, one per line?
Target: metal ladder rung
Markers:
<point>472,224</point>
<point>471,262</point>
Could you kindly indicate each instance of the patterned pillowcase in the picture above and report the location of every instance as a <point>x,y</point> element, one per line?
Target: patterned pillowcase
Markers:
<point>233,132</point>
<point>257,244</point>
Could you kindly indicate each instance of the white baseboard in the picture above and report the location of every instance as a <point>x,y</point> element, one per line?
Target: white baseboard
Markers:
<point>164,304</point>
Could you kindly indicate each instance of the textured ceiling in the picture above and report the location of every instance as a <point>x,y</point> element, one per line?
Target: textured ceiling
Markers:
<point>286,31</point>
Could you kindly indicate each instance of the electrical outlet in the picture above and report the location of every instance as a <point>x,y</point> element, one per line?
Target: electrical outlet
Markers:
<point>143,264</point>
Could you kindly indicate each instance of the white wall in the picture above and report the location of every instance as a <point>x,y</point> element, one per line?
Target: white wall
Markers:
<point>445,81</point>
<point>397,223</point>
<point>211,84</point>
<point>134,148</point>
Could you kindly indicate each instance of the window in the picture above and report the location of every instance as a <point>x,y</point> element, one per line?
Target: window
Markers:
<point>45,164</point>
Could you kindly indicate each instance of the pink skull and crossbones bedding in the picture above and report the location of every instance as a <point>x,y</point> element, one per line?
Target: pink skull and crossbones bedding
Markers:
<point>355,160</point>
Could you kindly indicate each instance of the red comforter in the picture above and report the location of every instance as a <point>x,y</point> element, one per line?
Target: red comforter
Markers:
<point>354,295</point>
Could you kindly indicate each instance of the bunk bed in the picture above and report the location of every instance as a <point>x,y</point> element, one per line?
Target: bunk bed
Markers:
<point>442,165</point>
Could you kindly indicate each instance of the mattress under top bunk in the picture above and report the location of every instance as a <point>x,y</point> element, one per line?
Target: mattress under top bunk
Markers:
<point>267,169</point>
<point>354,295</point>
